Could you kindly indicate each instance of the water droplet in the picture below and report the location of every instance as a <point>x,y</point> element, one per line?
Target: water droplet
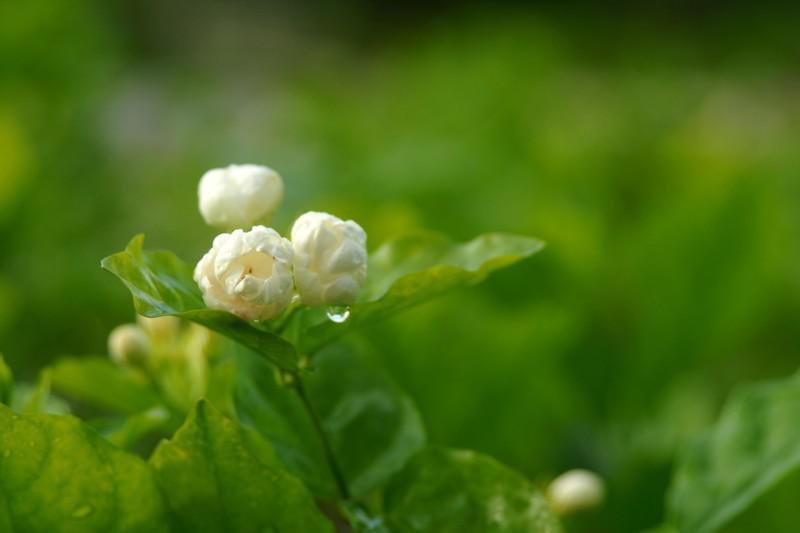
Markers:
<point>82,512</point>
<point>338,314</point>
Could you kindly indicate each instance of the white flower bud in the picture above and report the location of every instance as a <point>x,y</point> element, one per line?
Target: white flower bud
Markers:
<point>239,196</point>
<point>128,345</point>
<point>576,490</point>
<point>248,273</point>
<point>330,259</point>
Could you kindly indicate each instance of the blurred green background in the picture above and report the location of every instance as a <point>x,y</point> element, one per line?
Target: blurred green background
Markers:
<point>656,151</point>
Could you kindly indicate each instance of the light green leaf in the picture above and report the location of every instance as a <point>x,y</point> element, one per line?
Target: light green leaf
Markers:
<point>38,398</point>
<point>373,427</point>
<point>98,382</point>
<point>410,270</point>
<point>753,446</point>
<point>219,476</point>
<point>162,284</point>
<point>57,475</point>
<point>443,490</point>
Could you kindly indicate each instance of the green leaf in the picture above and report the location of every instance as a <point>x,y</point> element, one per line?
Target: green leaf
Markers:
<point>219,476</point>
<point>373,427</point>
<point>57,475</point>
<point>6,382</point>
<point>277,413</point>
<point>445,490</point>
<point>751,448</point>
<point>361,521</point>
<point>129,431</point>
<point>38,398</point>
<point>98,382</point>
<point>162,284</point>
<point>410,270</point>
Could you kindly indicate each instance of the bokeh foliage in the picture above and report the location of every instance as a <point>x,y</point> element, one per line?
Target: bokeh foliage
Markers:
<point>659,164</point>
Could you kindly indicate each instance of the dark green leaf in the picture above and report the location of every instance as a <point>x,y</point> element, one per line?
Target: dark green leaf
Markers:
<point>162,284</point>
<point>754,444</point>
<point>410,270</point>
<point>277,413</point>
<point>218,476</point>
<point>372,425</point>
<point>57,475</point>
<point>444,490</point>
<point>6,382</point>
<point>129,431</point>
<point>98,382</point>
<point>361,521</point>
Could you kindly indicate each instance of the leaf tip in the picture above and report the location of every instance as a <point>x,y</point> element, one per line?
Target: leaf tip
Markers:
<point>135,245</point>
<point>134,248</point>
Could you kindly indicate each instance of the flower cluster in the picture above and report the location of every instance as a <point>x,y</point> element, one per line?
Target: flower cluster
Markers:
<point>254,274</point>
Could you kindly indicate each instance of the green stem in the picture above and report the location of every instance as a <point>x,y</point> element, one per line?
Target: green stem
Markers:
<point>329,457</point>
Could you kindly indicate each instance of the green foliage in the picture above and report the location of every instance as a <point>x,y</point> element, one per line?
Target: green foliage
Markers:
<point>162,284</point>
<point>372,425</point>
<point>752,447</point>
<point>402,273</point>
<point>38,397</point>
<point>445,490</point>
<point>57,475</point>
<point>6,382</point>
<point>98,382</point>
<point>275,411</point>
<point>217,476</point>
<point>661,168</point>
<point>128,432</point>
<point>412,269</point>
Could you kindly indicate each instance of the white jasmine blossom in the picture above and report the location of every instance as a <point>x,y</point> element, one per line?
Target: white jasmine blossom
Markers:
<point>247,273</point>
<point>239,196</point>
<point>576,490</point>
<point>128,344</point>
<point>330,259</point>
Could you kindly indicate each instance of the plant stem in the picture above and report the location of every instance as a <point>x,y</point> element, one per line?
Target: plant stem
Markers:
<point>344,492</point>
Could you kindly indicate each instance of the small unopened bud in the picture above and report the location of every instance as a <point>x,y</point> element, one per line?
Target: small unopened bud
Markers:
<point>160,328</point>
<point>6,382</point>
<point>575,491</point>
<point>239,196</point>
<point>197,340</point>
<point>128,345</point>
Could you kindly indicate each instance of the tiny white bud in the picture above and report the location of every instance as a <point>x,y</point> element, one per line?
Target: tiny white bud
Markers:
<point>576,490</point>
<point>248,273</point>
<point>239,196</point>
<point>128,345</point>
<point>330,259</point>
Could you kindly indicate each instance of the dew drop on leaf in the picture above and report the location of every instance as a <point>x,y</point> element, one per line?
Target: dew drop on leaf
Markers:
<point>338,314</point>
